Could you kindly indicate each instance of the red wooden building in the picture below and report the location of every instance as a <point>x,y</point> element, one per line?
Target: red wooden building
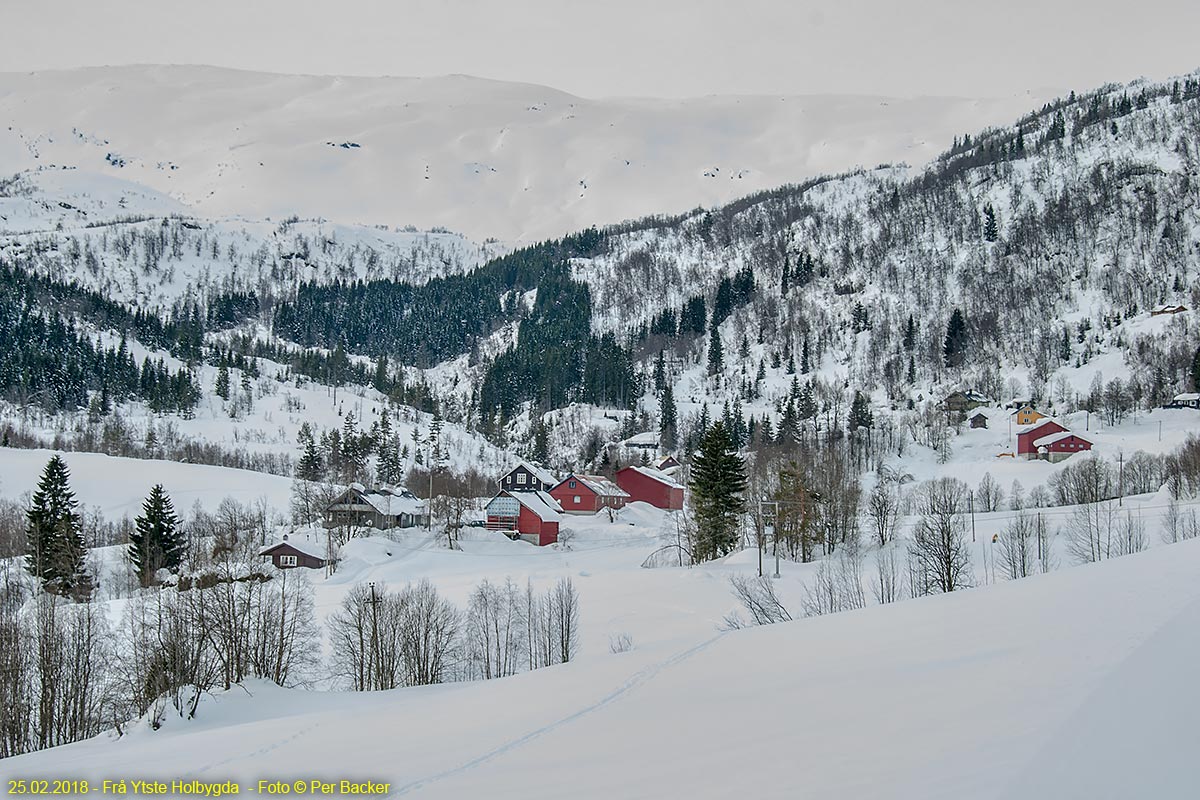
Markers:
<point>587,494</point>
<point>530,516</point>
<point>1026,438</point>
<point>289,554</point>
<point>1063,444</point>
<point>651,486</point>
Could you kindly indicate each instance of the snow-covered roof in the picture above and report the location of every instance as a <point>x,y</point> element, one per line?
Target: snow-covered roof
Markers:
<point>1187,397</point>
<point>659,476</point>
<point>540,503</point>
<point>390,501</point>
<point>600,485</point>
<point>544,475</point>
<point>648,439</point>
<point>1038,424</point>
<point>1046,441</point>
<point>1168,308</point>
<point>304,545</point>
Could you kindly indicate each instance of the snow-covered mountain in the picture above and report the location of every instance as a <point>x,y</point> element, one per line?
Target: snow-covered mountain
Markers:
<point>485,158</point>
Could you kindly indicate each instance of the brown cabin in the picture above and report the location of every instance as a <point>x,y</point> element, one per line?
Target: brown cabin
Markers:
<point>289,554</point>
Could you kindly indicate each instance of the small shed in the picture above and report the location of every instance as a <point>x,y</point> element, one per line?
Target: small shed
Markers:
<point>588,494</point>
<point>978,420</point>
<point>291,553</point>
<point>651,486</point>
<point>530,516</point>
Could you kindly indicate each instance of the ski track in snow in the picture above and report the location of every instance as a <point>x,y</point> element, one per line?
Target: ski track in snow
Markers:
<point>636,680</point>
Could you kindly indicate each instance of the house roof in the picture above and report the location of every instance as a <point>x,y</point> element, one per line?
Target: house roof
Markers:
<point>658,475</point>
<point>540,503</point>
<point>1046,441</point>
<point>598,484</point>
<point>390,501</point>
<point>1039,424</point>
<point>978,414</point>
<point>645,439</point>
<point>1187,397</point>
<point>306,546</point>
<point>544,475</point>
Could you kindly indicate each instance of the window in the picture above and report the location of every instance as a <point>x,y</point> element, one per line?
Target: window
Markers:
<point>572,485</point>
<point>577,500</point>
<point>521,478</point>
<point>287,561</point>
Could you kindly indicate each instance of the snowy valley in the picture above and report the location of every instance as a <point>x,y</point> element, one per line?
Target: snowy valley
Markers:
<point>888,442</point>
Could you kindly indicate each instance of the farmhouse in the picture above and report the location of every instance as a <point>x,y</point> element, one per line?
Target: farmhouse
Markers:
<point>1058,446</point>
<point>651,486</point>
<point>962,402</point>
<point>1186,400</point>
<point>1168,308</point>
<point>1026,438</point>
<point>292,553</point>
<point>1028,415</point>
<point>383,508</point>
<point>530,516</point>
<point>587,494</point>
<point>527,477</point>
<point>647,441</point>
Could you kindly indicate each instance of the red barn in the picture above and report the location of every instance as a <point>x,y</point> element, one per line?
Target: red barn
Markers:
<point>587,494</point>
<point>1064,444</point>
<point>1026,438</point>
<point>651,486</point>
<point>530,516</point>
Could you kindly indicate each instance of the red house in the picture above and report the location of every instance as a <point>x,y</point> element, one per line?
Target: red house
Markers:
<point>530,516</point>
<point>1026,438</point>
<point>651,486</point>
<point>587,494</point>
<point>1064,444</point>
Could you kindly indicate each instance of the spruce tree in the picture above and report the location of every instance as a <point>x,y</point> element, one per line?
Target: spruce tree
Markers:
<point>157,542</point>
<point>910,334</point>
<point>860,412</point>
<point>56,548</point>
<point>991,231</point>
<point>956,339</point>
<point>668,426</point>
<point>718,481</point>
<point>716,353</point>
<point>222,387</point>
<point>1196,371</point>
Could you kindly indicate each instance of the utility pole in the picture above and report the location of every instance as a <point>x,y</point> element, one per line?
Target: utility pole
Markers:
<point>971,503</point>
<point>374,603</point>
<point>1121,478</point>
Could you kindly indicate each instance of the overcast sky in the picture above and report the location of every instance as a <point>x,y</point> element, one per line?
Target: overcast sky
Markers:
<point>601,48</point>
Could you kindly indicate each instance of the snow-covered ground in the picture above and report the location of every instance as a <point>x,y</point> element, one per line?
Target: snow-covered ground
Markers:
<point>117,486</point>
<point>1072,684</point>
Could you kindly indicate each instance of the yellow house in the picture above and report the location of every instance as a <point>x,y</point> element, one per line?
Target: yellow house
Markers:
<point>1027,415</point>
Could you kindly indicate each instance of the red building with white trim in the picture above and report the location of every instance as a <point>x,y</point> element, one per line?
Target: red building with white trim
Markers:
<point>587,494</point>
<point>531,516</point>
<point>651,486</point>
<point>1064,444</point>
<point>1026,438</point>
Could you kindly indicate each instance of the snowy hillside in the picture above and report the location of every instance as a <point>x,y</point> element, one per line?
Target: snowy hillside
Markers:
<point>1077,683</point>
<point>485,158</point>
